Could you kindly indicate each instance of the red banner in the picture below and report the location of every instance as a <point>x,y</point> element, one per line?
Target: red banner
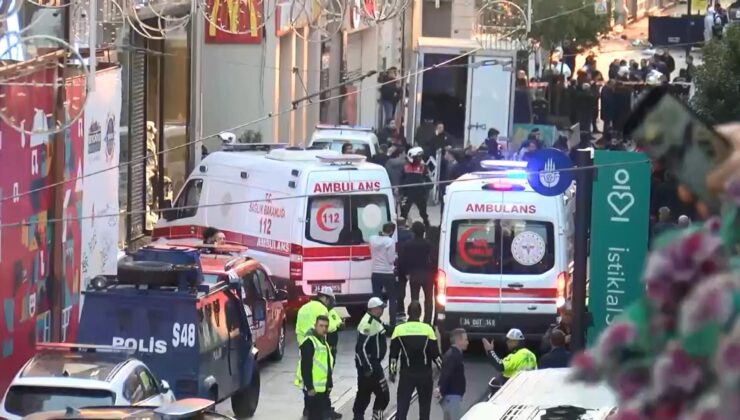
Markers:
<point>26,285</point>
<point>234,21</point>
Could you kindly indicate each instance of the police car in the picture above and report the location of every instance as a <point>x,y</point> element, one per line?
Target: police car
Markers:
<point>506,253</point>
<point>546,394</point>
<point>191,408</point>
<point>62,376</point>
<point>334,137</point>
<point>191,328</point>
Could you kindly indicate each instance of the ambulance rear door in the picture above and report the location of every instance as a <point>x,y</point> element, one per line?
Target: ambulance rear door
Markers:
<point>371,206</point>
<point>326,239</point>
<point>471,262</point>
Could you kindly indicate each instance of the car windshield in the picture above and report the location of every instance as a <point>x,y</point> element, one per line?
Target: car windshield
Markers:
<point>25,400</point>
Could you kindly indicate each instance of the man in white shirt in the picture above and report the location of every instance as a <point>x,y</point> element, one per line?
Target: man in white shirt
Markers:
<point>383,253</point>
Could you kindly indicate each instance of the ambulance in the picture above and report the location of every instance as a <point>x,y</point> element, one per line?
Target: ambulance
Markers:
<point>306,215</point>
<point>333,137</point>
<point>506,253</point>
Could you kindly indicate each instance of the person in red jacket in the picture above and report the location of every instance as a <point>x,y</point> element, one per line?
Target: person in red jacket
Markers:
<point>415,176</point>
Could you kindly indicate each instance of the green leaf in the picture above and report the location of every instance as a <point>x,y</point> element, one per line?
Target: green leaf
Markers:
<point>717,81</point>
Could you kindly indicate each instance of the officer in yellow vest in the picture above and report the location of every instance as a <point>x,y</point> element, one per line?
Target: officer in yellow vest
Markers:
<point>306,316</point>
<point>519,357</point>
<point>314,371</point>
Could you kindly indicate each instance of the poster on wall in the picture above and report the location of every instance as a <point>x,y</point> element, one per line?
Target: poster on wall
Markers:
<point>27,189</point>
<point>100,201</point>
<point>233,21</point>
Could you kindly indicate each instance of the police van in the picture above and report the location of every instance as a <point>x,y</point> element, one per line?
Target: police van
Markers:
<point>334,137</point>
<point>506,253</point>
<point>306,215</point>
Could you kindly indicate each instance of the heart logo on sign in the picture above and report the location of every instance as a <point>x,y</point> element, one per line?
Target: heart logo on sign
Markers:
<point>620,201</point>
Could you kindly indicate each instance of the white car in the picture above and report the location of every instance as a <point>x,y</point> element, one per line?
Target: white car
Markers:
<point>62,376</point>
<point>333,137</point>
<point>546,393</point>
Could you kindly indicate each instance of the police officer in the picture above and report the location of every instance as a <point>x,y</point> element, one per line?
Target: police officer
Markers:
<point>314,372</point>
<point>416,344</point>
<point>305,319</point>
<point>306,316</point>
<point>369,352</point>
<point>519,357</point>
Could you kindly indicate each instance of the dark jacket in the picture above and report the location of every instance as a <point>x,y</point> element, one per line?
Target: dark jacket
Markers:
<point>390,91</point>
<point>545,346</point>
<point>415,255</point>
<point>307,352</point>
<point>416,351</point>
<point>607,104</point>
<point>371,348</point>
<point>452,375</point>
<point>380,159</point>
<point>414,174</point>
<point>558,357</point>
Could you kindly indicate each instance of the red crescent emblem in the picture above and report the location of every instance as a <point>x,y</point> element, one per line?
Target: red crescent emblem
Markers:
<point>320,218</point>
<point>470,260</point>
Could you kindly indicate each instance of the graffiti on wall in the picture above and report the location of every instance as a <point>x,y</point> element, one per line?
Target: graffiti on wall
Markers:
<point>27,232</point>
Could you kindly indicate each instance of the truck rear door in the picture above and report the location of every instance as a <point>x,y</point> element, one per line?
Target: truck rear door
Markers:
<point>326,249</point>
<point>490,84</point>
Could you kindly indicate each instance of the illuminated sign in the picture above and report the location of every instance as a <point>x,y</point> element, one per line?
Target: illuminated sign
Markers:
<point>233,21</point>
<point>501,208</point>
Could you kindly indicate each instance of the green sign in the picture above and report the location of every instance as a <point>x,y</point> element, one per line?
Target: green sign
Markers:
<point>620,211</point>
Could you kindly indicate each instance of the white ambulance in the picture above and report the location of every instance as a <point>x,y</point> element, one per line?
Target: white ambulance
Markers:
<point>306,215</point>
<point>506,253</point>
<point>333,137</point>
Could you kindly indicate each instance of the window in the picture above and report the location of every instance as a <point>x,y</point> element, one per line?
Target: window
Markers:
<point>508,246</point>
<point>254,295</point>
<point>346,220</point>
<point>133,388</point>
<point>263,283</point>
<point>25,400</point>
<point>149,384</point>
<point>336,145</point>
<point>188,200</point>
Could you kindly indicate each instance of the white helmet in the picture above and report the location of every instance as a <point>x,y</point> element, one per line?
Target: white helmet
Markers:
<point>227,138</point>
<point>326,291</point>
<point>414,152</point>
<point>515,334</point>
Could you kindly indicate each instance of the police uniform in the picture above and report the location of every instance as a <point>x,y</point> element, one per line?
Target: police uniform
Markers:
<point>332,338</point>
<point>314,373</point>
<point>415,343</point>
<point>414,173</point>
<point>306,318</point>
<point>370,350</point>
<point>521,358</point>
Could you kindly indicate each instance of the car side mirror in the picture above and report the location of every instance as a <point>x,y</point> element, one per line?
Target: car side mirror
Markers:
<point>164,385</point>
<point>281,294</point>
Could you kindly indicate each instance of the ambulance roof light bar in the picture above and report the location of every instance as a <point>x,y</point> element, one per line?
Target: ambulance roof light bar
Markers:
<point>253,147</point>
<point>342,127</point>
<point>348,159</point>
<point>497,165</point>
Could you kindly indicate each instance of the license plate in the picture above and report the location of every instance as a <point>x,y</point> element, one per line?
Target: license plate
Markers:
<point>477,322</point>
<point>336,288</point>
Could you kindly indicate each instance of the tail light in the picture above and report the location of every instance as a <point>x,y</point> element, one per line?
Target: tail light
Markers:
<point>441,287</point>
<point>562,285</point>
<point>296,264</point>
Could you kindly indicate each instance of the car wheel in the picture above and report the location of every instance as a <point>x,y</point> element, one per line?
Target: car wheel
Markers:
<point>280,350</point>
<point>244,403</point>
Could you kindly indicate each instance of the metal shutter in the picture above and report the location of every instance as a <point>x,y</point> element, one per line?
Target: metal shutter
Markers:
<point>137,136</point>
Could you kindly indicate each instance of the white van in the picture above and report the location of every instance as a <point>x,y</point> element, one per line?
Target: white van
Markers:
<point>546,393</point>
<point>306,215</point>
<point>506,253</point>
<point>333,137</point>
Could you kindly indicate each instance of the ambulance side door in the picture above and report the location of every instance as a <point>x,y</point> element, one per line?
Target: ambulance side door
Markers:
<point>327,233</point>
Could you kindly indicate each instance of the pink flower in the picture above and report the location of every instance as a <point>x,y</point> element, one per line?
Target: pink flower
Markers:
<point>630,383</point>
<point>675,373</point>
<point>628,414</point>
<point>732,189</point>
<point>584,367</point>
<point>616,337</point>
<point>727,358</point>
<point>711,301</point>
